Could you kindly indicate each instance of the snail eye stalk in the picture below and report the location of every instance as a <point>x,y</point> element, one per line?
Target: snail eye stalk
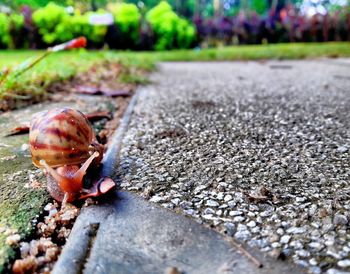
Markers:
<point>72,181</point>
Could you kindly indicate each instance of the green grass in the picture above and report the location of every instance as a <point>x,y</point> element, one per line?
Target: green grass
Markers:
<point>249,52</point>
<point>61,66</point>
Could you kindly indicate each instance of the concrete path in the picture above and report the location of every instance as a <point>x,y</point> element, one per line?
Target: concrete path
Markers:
<point>258,151</point>
<point>129,235</point>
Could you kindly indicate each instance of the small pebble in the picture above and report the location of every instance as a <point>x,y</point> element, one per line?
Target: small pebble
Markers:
<point>285,239</point>
<point>344,263</point>
<point>13,240</point>
<point>212,203</point>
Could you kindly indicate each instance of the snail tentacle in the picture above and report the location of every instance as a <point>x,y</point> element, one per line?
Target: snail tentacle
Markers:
<point>78,176</point>
<point>52,172</point>
<point>70,181</point>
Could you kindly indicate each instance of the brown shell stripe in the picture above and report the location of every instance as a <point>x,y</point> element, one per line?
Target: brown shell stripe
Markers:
<point>50,147</point>
<point>63,117</point>
<point>63,134</point>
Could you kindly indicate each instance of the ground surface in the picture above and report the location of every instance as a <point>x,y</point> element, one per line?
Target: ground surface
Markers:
<point>33,85</point>
<point>258,151</point>
<point>128,235</point>
<point>22,186</point>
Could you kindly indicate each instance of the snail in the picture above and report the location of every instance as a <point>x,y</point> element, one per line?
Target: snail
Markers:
<point>63,143</point>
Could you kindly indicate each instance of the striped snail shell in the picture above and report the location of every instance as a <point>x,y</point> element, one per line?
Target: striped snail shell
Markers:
<point>62,142</point>
<point>60,137</point>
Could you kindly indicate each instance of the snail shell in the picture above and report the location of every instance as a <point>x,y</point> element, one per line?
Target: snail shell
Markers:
<point>60,137</point>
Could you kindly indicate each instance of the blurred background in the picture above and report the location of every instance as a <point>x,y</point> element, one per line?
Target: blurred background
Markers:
<point>173,24</point>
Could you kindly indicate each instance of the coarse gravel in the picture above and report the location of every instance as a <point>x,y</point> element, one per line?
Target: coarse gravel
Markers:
<point>256,150</point>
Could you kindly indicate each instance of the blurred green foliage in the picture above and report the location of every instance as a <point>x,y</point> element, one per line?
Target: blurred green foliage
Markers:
<point>9,24</point>
<point>259,6</point>
<point>186,8</point>
<point>56,25</point>
<point>47,20</point>
<point>127,18</point>
<point>170,30</point>
<point>5,36</point>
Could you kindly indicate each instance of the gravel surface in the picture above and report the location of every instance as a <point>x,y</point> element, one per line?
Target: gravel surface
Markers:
<point>258,151</point>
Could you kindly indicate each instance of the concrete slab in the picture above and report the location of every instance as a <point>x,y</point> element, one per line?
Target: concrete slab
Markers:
<point>256,150</point>
<point>130,235</point>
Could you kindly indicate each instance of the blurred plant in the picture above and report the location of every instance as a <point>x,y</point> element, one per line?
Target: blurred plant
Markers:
<point>47,20</point>
<point>5,38</point>
<point>285,25</point>
<point>127,19</point>
<point>161,28</point>
<point>78,25</point>
<point>169,29</point>
<point>56,25</point>
<point>10,26</point>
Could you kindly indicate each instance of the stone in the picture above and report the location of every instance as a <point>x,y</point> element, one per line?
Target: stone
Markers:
<point>176,201</point>
<point>274,238</point>
<point>209,211</point>
<point>344,263</point>
<point>336,271</point>
<point>228,198</point>
<point>316,245</point>
<point>212,203</point>
<point>232,204</point>
<point>315,270</point>
<point>251,224</point>
<point>340,219</point>
<point>275,245</point>
<point>157,199</point>
<point>296,244</point>
<point>285,239</point>
<point>296,230</point>
<point>303,253</point>
<point>230,228</point>
<point>238,219</point>
<point>313,261</point>
<point>342,149</point>
<point>235,213</point>
<point>242,235</point>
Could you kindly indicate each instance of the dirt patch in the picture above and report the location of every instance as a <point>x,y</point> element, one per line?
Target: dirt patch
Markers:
<point>108,76</point>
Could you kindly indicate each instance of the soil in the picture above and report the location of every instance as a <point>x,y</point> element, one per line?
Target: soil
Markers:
<point>102,76</point>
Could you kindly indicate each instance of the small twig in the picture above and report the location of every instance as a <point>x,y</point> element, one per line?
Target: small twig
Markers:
<point>27,66</point>
<point>246,253</point>
<point>17,96</point>
<point>30,63</point>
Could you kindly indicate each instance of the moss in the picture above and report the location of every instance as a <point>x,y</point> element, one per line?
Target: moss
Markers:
<point>19,204</point>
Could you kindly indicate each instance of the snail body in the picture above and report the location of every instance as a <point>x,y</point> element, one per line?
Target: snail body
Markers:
<point>63,143</point>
